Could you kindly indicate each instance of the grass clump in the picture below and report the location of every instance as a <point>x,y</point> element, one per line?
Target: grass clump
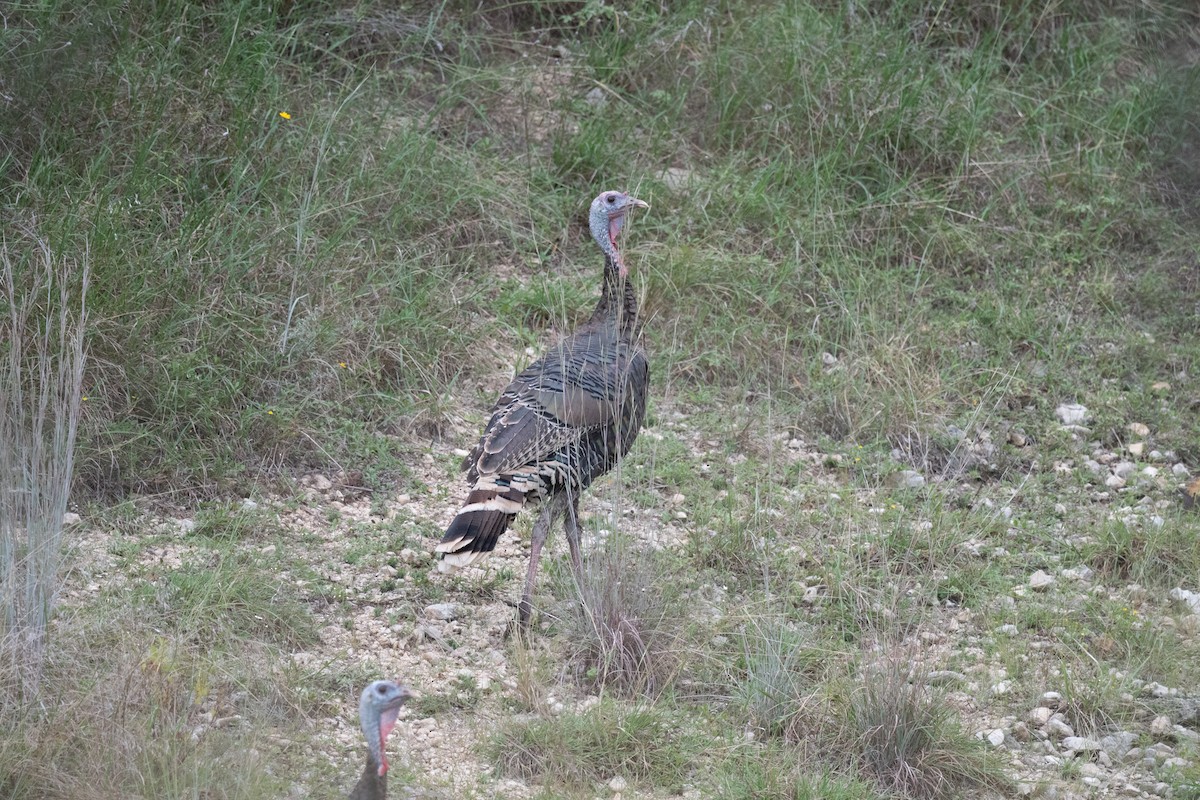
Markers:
<point>780,688</point>
<point>909,740</point>
<point>1160,556</point>
<point>775,773</point>
<point>626,630</point>
<point>228,598</point>
<point>581,750</point>
<point>43,317</point>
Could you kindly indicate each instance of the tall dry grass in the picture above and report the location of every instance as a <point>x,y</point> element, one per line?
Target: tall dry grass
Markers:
<point>41,380</point>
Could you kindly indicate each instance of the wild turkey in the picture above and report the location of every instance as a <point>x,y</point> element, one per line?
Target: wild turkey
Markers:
<point>563,422</point>
<point>378,707</point>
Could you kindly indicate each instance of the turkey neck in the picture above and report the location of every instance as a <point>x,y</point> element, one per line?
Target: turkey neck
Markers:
<point>372,785</point>
<point>617,301</point>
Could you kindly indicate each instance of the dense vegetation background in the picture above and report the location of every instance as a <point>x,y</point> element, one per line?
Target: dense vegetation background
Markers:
<point>973,200</point>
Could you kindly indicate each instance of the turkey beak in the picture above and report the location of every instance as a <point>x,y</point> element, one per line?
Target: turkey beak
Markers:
<point>639,203</point>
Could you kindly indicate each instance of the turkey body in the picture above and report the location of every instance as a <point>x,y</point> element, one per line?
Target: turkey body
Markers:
<point>565,420</point>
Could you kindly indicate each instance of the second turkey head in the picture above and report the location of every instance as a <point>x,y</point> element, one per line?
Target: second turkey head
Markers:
<point>378,708</point>
<point>605,219</point>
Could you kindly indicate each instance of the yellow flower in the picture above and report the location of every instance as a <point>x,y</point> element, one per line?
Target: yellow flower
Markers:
<point>85,397</point>
<point>270,413</point>
<point>285,115</point>
<point>342,364</point>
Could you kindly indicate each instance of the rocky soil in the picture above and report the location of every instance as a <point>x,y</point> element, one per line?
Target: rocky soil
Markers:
<point>454,650</point>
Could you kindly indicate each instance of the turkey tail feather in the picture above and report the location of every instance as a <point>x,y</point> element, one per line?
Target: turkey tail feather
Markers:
<point>477,527</point>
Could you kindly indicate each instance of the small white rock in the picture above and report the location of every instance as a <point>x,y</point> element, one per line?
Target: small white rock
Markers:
<point>618,784</point>
<point>828,359</point>
<point>1040,580</point>
<point>676,178</point>
<point>1161,726</point>
<point>1139,429</point>
<point>1039,716</point>
<point>1050,700</point>
<point>1081,572</point>
<point>1071,413</point>
<point>1058,728</point>
<point>995,737</point>
<point>596,98</point>
<point>1186,598</point>
<point>1079,743</point>
<point>71,518</point>
<point>442,611</point>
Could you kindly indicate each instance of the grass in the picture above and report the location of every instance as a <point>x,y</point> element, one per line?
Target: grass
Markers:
<point>626,629</point>
<point>581,750</point>
<point>906,738</point>
<point>42,362</point>
<point>894,236</point>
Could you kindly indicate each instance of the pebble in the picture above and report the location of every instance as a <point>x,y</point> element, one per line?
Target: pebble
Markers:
<point>618,784</point>
<point>1071,413</point>
<point>1139,429</point>
<point>1040,580</point>
<point>828,359</point>
<point>676,178</point>
<point>1124,469</point>
<point>1040,716</point>
<point>1161,726</point>
<point>1050,699</point>
<point>1136,449</point>
<point>596,98</point>
<point>1008,630</point>
<point>1080,573</point>
<point>995,737</point>
<point>1058,727</point>
<point>442,611</point>
<point>909,479</point>
<point>1186,598</point>
<point>1079,743</point>
<point>1118,744</point>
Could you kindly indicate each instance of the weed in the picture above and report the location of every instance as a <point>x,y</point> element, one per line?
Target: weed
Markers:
<point>627,629</point>
<point>42,328</point>
<point>908,739</point>
<point>1157,555</point>
<point>580,750</point>
<point>782,670</point>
